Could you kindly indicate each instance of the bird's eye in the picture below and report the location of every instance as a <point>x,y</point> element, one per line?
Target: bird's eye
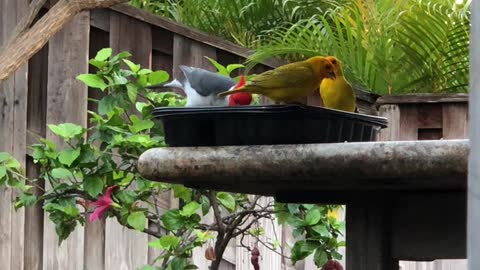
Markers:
<point>334,62</point>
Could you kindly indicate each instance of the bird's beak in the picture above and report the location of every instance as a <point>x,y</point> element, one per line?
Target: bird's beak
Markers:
<point>331,75</point>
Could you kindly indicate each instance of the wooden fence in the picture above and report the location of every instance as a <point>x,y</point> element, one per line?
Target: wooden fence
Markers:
<point>45,91</point>
<point>428,117</point>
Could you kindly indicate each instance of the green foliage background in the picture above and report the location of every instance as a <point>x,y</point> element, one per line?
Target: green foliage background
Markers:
<point>386,46</point>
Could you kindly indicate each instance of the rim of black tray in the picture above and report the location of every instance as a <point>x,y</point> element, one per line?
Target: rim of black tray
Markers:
<point>161,112</point>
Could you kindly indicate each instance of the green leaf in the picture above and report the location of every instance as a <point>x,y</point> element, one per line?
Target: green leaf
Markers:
<point>137,220</point>
<point>313,216</point>
<point>67,130</point>
<point>145,71</point>
<point>139,124</point>
<point>336,255</point>
<point>221,69</point>
<point>4,156</point>
<point>132,92</point>
<point>227,200</point>
<point>61,173</point>
<point>233,67</point>
<point>133,67</point>
<point>301,249</point>
<point>93,186</point>
<point>166,242</point>
<point>177,263</point>
<point>97,64</point>
<point>25,200</point>
<point>121,55</point>
<point>119,79</point>
<point>3,172</point>
<point>172,220</point>
<point>205,202</point>
<point>68,156</point>
<point>140,105</point>
<point>106,105</point>
<point>93,81</point>
<point>158,77</point>
<point>321,230</point>
<point>103,54</point>
<point>13,164</point>
<point>190,209</point>
<point>181,192</point>
<point>320,257</point>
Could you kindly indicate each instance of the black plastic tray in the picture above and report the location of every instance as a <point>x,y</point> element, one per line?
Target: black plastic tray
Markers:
<point>266,124</point>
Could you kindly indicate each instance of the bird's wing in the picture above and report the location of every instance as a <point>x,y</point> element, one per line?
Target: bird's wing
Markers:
<point>205,82</point>
<point>283,77</point>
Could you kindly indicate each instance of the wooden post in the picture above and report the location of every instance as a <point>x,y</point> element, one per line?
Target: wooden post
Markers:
<point>473,216</point>
<point>368,236</point>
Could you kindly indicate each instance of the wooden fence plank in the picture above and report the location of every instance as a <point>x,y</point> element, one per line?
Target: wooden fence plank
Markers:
<point>124,248</point>
<point>191,53</point>
<point>66,102</point>
<point>13,123</point>
<point>392,132</point>
<point>7,93</point>
<point>36,124</point>
<point>94,257</point>
<point>455,121</point>
<point>408,123</point>
<point>127,34</point>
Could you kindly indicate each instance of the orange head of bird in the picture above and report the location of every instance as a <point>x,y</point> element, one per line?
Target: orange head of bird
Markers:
<point>336,65</point>
<point>322,67</point>
<point>240,98</point>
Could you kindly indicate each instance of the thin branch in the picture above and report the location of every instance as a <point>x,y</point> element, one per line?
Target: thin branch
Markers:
<point>216,211</point>
<point>268,247</point>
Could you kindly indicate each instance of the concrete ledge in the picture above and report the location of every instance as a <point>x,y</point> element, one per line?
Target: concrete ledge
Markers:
<point>270,169</point>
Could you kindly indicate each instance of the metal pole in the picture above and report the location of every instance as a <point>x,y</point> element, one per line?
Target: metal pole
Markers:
<point>473,216</point>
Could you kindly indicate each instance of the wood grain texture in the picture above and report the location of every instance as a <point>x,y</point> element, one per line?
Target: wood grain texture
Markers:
<point>162,40</point>
<point>124,248</point>
<point>392,113</point>
<point>191,53</point>
<point>429,115</point>
<point>13,123</point>
<point>66,102</point>
<point>408,123</point>
<point>25,45</point>
<point>455,120</point>
<point>94,257</point>
<point>422,98</point>
<point>36,127</point>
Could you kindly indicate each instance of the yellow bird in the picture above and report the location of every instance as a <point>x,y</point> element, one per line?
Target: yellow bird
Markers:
<point>338,94</point>
<point>289,82</point>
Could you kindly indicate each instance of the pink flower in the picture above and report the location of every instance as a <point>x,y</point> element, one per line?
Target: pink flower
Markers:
<point>102,204</point>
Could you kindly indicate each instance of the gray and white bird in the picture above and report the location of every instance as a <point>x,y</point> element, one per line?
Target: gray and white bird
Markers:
<point>201,87</point>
